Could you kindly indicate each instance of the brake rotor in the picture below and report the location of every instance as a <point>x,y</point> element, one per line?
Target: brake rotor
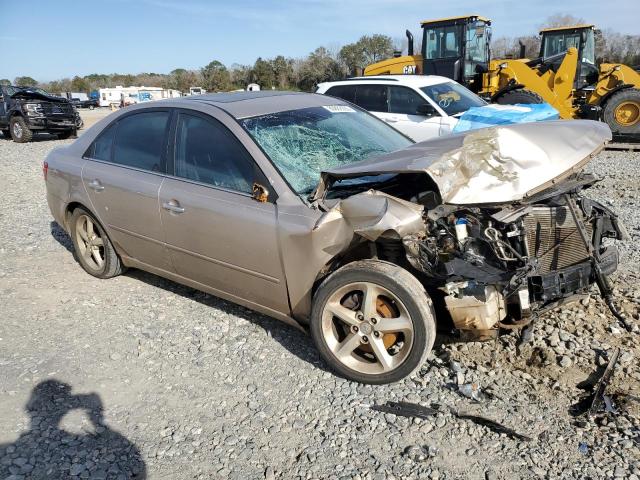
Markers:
<point>385,309</point>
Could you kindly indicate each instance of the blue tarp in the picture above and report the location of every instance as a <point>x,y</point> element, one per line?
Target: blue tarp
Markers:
<point>492,115</point>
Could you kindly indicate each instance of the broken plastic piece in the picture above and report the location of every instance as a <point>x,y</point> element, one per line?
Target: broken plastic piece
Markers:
<point>583,448</point>
<point>598,393</point>
<point>406,409</point>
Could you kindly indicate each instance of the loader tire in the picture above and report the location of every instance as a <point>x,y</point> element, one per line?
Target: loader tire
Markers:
<point>621,112</point>
<point>518,96</point>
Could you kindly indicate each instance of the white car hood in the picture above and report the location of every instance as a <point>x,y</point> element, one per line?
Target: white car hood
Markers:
<point>491,165</point>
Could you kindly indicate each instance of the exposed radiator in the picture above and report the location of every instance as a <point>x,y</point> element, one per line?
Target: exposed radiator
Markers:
<point>553,237</point>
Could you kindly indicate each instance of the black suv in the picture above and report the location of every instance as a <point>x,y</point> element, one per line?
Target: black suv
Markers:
<point>26,110</point>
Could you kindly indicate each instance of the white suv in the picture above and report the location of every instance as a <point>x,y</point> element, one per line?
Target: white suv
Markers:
<point>420,106</point>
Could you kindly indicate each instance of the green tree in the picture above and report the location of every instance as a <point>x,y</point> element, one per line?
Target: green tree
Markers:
<point>25,82</point>
<point>282,71</point>
<point>320,66</point>
<point>5,81</point>
<point>79,84</point>
<point>263,73</point>
<point>216,77</point>
<point>241,75</point>
<point>368,49</point>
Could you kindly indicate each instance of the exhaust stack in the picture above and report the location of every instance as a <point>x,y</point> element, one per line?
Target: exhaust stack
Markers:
<point>409,42</point>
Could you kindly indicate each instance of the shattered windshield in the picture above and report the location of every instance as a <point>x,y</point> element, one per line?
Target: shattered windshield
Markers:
<point>303,143</point>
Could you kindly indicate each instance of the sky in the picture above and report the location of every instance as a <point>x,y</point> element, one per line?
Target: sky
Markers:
<point>48,40</point>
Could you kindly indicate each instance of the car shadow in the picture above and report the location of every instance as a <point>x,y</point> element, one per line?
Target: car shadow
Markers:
<point>47,450</point>
<point>61,236</point>
<point>292,339</point>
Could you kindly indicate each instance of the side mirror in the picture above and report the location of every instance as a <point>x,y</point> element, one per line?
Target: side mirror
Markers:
<point>427,110</point>
<point>259,193</point>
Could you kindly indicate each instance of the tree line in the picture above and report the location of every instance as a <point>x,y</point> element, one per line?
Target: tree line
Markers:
<point>323,64</point>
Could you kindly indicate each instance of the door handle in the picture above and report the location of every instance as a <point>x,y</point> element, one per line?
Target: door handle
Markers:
<point>173,206</point>
<point>96,185</point>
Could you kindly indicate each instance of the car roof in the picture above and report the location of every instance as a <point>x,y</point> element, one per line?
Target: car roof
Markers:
<point>246,104</point>
<point>251,104</point>
<point>416,81</point>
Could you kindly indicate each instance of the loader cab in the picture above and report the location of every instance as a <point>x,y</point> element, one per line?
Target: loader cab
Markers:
<point>555,41</point>
<point>457,48</point>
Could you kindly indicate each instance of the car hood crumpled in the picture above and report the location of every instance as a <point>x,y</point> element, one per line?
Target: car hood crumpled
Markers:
<point>491,165</point>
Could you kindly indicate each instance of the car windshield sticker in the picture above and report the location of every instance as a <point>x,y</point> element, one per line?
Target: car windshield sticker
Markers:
<point>338,108</point>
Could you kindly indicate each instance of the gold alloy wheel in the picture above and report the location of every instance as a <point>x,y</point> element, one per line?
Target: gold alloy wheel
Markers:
<point>90,243</point>
<point>627,113</point>
<point>372,337</point>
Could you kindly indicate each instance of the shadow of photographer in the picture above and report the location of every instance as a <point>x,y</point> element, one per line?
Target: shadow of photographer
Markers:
<point>46,450</point>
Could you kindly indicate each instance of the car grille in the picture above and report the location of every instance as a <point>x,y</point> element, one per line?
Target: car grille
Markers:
<point>51,108</point>
<point>553,237</point>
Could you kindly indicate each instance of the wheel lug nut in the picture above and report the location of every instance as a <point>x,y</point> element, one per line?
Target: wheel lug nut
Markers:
<point>354,329</point>
<point>376,334</point>
<point>374,321</point>
<point>365,339</point>
<point>359,316</point>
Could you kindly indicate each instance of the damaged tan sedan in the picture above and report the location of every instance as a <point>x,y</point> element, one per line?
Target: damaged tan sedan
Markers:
<point>310,210</point>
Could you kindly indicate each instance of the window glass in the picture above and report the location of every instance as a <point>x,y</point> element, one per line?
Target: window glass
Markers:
<point>452,97</point>
<point>557,43</point>
<point>101,148</point>
<point>441,42</point>
<point>372,97</point>
<point>302,143</point>
<point>404,100</point>
<point>209,153</point>
<point>476,47</point>
<point>140,140</point>
<point>346,92</point>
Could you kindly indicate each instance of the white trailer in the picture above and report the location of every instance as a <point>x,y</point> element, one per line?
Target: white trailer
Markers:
<point>113,96</point>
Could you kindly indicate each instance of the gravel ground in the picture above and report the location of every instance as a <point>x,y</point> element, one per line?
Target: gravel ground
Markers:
<point>135,375</point>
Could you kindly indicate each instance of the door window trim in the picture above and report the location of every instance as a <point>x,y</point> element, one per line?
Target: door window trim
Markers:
<point>171,155</point>
<point>116,125</point>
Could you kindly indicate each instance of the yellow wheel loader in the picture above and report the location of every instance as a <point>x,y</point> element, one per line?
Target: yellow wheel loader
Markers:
<point>565,73</point>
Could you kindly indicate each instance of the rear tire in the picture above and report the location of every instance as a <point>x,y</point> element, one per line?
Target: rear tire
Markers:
<point>518,96</point>
<point>373,322</point>
<point>20,131</point>
<point>622,112</point>
<point>92,248</point>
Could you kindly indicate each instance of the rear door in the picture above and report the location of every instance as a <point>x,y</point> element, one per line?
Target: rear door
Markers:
<point>373,98</point>
<point>122,176</point>
<point>345,92</point>
<point>403,106</point>
<point>217,233</point>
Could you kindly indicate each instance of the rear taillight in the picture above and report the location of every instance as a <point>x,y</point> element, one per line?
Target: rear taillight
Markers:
<point>45,170</point>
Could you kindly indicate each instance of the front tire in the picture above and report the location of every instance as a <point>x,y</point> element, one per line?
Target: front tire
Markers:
<point>373,322</point>
<point>20,131</point>
<point>65,135</point>
<point>93,249</point>
<point>520,95</point>
<point>622,112</point>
